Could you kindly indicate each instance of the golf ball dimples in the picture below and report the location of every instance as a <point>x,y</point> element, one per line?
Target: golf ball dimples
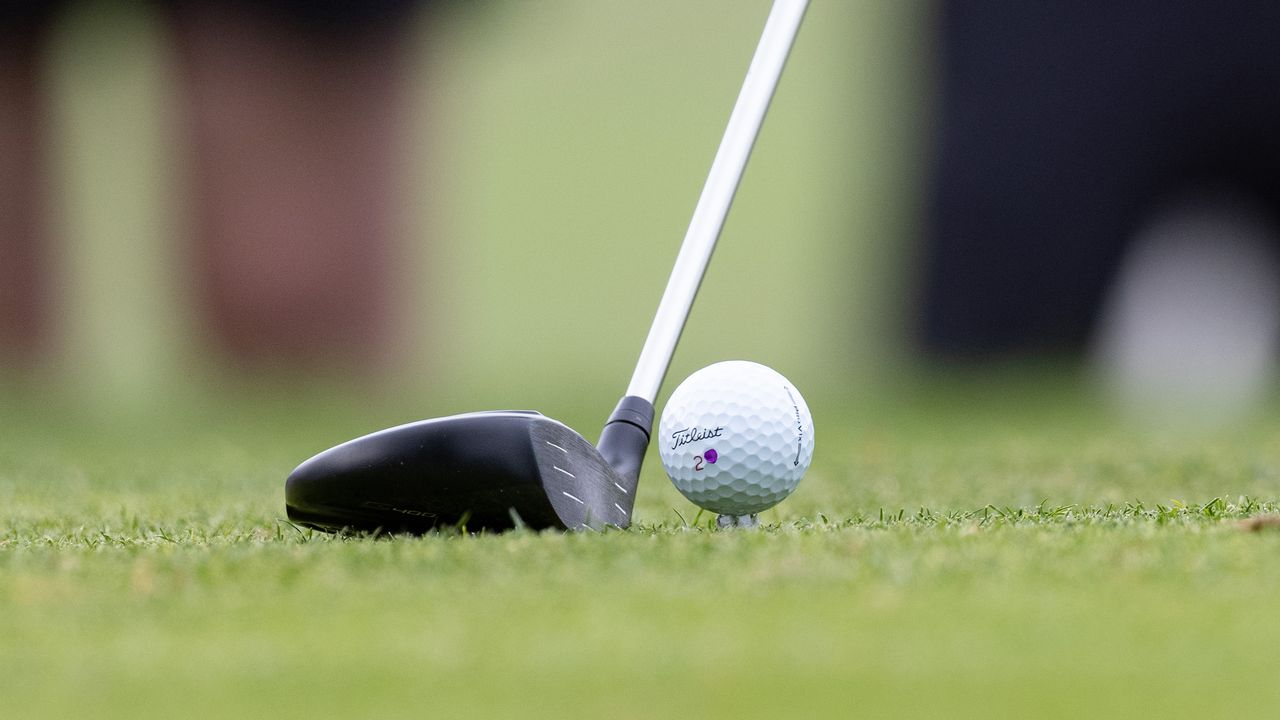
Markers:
<point>736,437</point>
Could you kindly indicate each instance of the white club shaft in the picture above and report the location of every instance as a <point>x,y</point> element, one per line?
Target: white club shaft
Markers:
<point>717,195</point>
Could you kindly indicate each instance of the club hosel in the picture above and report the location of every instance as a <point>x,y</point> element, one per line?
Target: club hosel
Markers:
<point>625,439</point>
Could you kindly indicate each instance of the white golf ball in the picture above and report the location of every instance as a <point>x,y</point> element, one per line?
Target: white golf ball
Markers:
<point>736,437</point>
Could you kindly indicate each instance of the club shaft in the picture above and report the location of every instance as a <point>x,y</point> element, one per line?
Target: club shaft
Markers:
<point>717,196</point>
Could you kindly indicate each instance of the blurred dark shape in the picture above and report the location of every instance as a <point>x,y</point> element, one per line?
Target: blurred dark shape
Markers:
<point>337,19</point>
<point>1061,127</point>
<point>293,127</point>
<point>24,257</point>
<point>294,116</point>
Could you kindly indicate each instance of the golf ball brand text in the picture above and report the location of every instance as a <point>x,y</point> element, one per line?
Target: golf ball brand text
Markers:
<point>684,436</point>
<point>799,426</point>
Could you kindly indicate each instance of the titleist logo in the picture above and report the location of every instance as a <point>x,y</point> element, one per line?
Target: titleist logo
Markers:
<point>685,436</point>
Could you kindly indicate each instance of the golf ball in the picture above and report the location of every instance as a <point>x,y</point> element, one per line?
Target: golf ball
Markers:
<point>736,437</point>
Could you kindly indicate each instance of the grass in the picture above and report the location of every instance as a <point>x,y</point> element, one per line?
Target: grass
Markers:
<point>948,555</point>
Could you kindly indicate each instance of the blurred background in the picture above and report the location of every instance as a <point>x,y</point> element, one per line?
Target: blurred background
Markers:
<point>448,206</point>
<point>532,203</point>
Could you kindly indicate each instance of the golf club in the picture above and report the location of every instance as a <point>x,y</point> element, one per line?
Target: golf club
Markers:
<point>511,468</point>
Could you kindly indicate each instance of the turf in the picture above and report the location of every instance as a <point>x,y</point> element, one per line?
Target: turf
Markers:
<point>960,555</point>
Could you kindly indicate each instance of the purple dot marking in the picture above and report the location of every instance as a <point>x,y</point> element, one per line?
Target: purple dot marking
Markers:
<point>711,455</point>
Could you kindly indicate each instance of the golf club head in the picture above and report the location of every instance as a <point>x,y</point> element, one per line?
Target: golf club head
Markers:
<point>482,471</point>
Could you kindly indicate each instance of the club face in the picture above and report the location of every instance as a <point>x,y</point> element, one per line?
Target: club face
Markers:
<point>487,470</point>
